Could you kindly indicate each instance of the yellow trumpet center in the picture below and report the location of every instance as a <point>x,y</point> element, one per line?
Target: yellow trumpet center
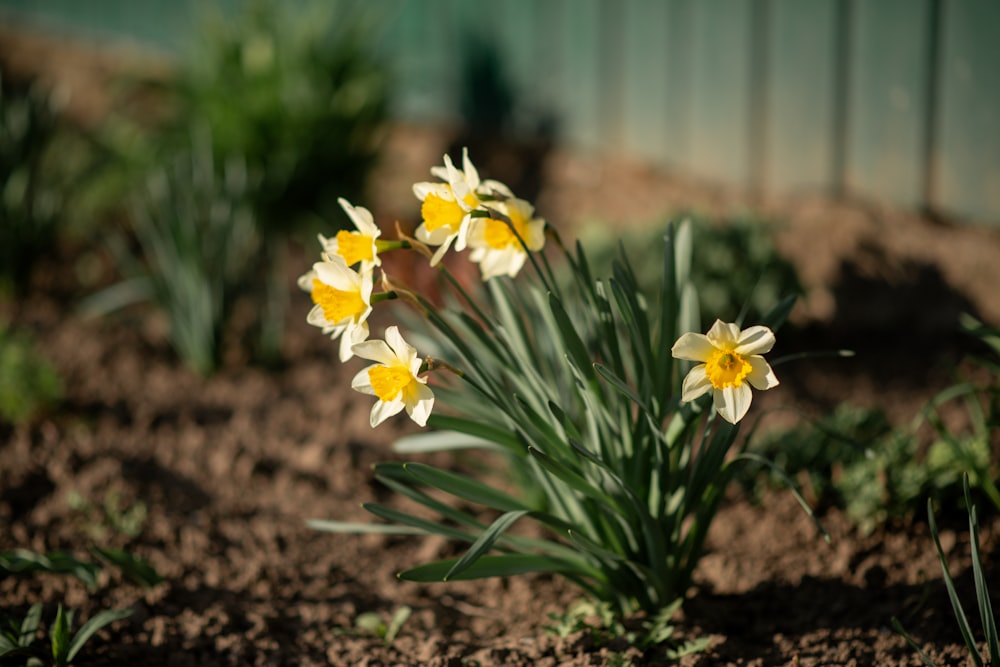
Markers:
<point>337,305</point>
<point>354,247</point>
<point>726,368</point>
<point>439,212</point>
<point>389,381</point>
<point>498,234</point>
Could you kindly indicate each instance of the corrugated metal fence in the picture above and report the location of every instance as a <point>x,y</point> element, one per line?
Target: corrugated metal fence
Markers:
<point>897,100</point>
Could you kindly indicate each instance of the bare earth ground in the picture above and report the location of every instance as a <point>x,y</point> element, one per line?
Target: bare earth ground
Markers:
<point>230,467</point>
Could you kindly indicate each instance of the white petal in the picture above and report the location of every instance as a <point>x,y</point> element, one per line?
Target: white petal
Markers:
<point>316,317</point>
<point>696,383</point>
<point>761,376</point>
<point>439,236</point>
<point>495,188</point>
<point>366,276</point>
<point>420,409</point>
<point>361,217</point>
<point>305,281</point>
<point>345,352</point>
<point>733,402</point>
<point>442,249</point>
<point>353,335</point>
<point>723,334</point>
<point>471,173</point>
<point>693,347</point>
<point>536,234</point>
<point>362,381</point>
<point>375,350</point>
<point>382,410</point>
<point>404,351</point>
<point>335,273</point>
<point>755,340</point>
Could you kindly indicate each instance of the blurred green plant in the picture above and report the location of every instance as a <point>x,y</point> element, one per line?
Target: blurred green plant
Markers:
<point>735,268</point>
<point>198,251</point>
<point>29,384</point>
<point>601,625</point>
<point>986,616</point>
<point>371,623</point>
<point>19,639</point>
<point>21,561</point>
<point>295,93</point>
<point>856,460</point>
<point>291,103</point>
<point>110,516</point>
<point>32,197</point>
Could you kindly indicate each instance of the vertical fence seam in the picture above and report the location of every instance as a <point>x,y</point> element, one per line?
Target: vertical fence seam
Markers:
<point>842,44</point>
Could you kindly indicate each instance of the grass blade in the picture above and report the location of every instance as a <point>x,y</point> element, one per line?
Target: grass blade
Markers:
<point>956,605</point>
<point>97,622</point>
<point>484,542</point>
<point>499,565</point>
<point>464,487</point>
<point>357,527</point>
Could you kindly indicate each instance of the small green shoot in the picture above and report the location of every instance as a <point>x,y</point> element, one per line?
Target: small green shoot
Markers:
<point>28,381</point>
<point>982,593</point>
<point>370,622</point>
<point>111,516</point>
<point>20,639</point>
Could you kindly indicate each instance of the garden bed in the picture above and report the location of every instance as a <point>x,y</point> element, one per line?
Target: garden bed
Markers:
<point>229,468</point>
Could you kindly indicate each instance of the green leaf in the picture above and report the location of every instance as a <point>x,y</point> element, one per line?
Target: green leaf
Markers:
<point>59,636</point>
<point>574,479</point>
<point>25,560</point>
<point>982,590</point>
<point>434,528</point>
<point>924,658</point>
<point>493,565</point>
<point>502,437</point>
<point>777,315</point>
<point>776,469</point>
<point>956,605</point>
<point>441,441</point>
<point>622,387</point>
<point>399,617</point>
<point>484,542</point>
<point>464,487</point>
<point>571,339</point>
<point>133,567</point>
<point>97,622</point>
<point>29,626</point>
<point>356,527</point>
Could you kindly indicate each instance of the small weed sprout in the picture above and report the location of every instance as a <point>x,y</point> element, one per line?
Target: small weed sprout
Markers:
<point>371,622</point>
<point>19,640</point>
<point>986,616</point>
<point>29,383</point>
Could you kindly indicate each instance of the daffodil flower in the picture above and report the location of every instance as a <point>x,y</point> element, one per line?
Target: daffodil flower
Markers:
<point>393,379</point>
<point>355,247</point>
<point>496,247</point>
<point>731,363</point>
<point>342,299</point>
<point>446,208</point>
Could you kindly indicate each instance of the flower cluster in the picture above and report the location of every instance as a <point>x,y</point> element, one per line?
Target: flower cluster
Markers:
<point>582,384</point>
<point>458,211</point>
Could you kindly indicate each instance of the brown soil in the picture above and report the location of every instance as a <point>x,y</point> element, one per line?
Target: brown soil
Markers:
<point>230,468</point>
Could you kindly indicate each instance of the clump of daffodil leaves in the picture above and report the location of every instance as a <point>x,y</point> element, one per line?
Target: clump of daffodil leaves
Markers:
<point>614,414</point>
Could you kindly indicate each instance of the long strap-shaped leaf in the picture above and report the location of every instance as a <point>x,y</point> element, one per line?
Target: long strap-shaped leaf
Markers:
<point>982,591</point>
<point>484,542</point>
<point>491,565</point>
<point>956,605</point>
<point>464,487</point>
